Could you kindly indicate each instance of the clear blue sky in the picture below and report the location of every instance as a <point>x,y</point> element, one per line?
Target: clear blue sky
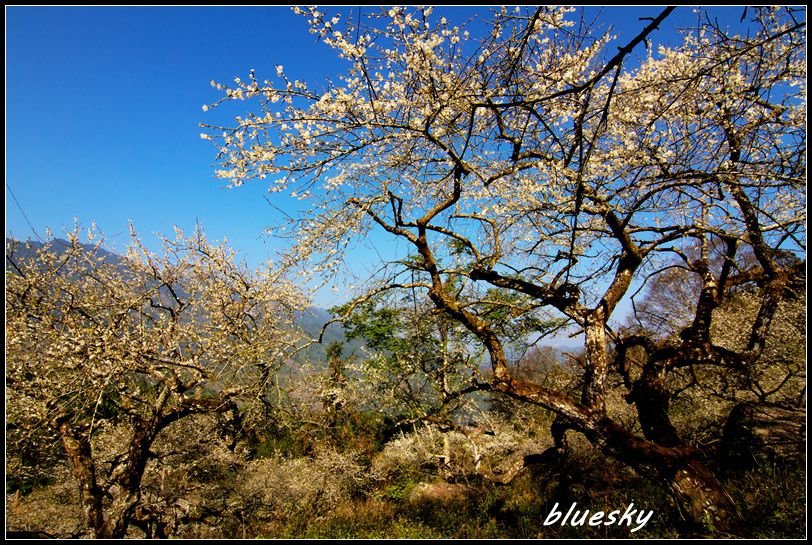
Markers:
<point>103,106</point>
<point>102,113</point>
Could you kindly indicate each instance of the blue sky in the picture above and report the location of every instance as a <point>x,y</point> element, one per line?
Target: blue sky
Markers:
<point>103,107</point>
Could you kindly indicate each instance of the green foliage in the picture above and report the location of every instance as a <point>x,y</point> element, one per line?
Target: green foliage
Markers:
<point>334,350</point>
<point>417,355</point>
<point>279,444</point>
<point>399,490</point>
<point>382,328</point>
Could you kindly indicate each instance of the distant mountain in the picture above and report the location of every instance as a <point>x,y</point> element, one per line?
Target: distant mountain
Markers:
<point>26,249</point>
<point>312,320</point>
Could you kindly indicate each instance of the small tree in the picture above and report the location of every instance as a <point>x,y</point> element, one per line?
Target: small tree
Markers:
<point>534,160</point>
<point>416,360</point>
<point>110,353</point>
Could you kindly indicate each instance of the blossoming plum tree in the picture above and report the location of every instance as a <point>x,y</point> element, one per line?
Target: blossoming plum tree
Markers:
<point>111,353</point>
<point>532,158</point>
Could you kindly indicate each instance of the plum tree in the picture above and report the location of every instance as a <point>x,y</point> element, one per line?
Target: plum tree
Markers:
<point>527,156</point>
<point>110,354</point>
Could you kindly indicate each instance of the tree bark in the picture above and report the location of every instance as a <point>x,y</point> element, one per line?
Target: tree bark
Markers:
<point>697,492</point>
<point>597,365</point>
<point>652,400</point>
<point>695,489</point>
<point>113,521</point>
<point>77,447</point>
<point>120,512</point>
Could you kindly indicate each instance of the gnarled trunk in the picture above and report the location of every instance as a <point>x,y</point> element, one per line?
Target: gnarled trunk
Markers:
<point>678,467</point>
<point>77,447</point>
<point>697,492</point>
<point>113,520</point>
<point>702,499</point>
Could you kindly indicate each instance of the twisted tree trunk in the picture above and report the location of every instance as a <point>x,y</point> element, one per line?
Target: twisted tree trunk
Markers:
<point>77,447</point>
<point>112,520</point>
<point>697,492</point>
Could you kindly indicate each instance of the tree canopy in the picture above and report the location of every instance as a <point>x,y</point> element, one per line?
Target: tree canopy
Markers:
<point>533,158</point>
